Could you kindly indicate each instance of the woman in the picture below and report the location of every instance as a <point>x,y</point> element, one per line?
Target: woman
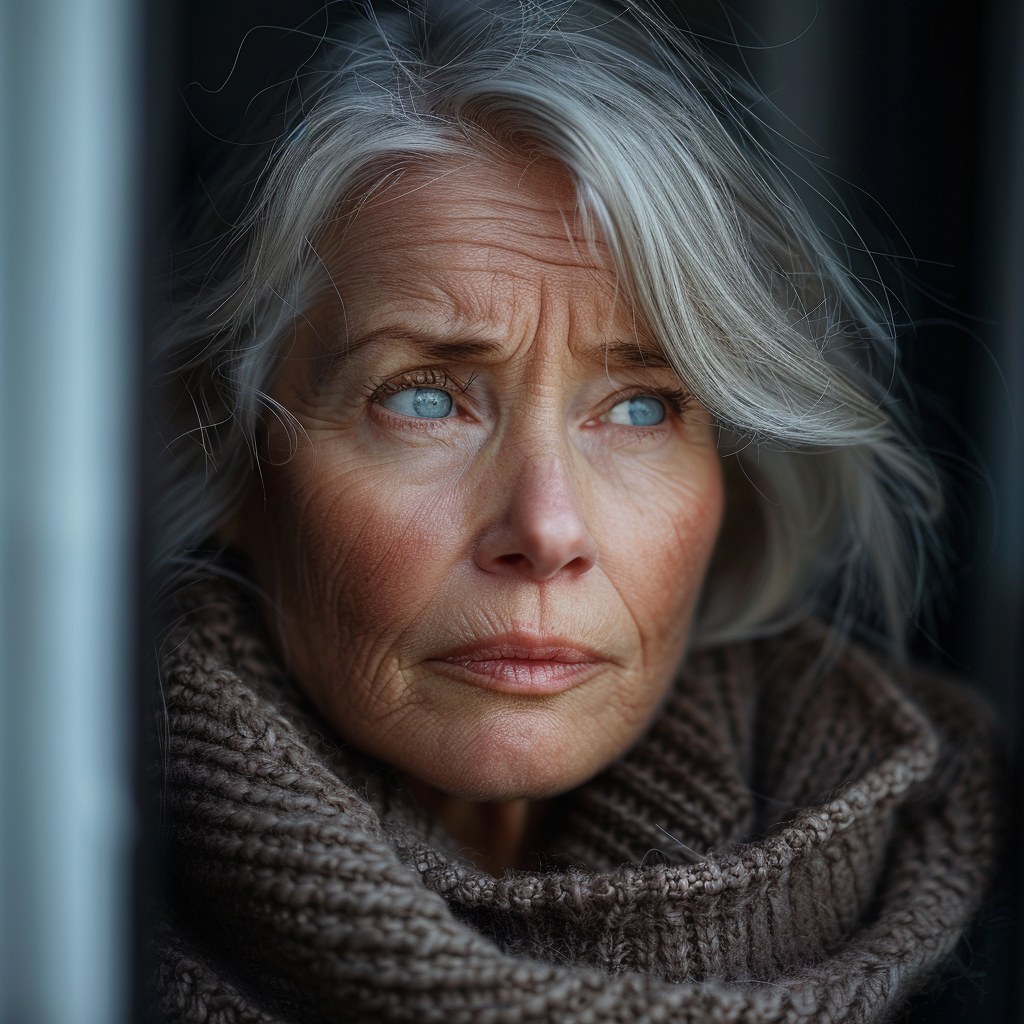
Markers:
<point>523,436</point>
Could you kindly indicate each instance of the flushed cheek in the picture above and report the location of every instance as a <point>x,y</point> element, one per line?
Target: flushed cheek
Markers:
<point>659,533</point>
<point>372,554</point>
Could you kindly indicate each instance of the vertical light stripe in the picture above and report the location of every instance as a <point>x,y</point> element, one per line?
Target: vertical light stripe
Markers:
<point>67,210</point>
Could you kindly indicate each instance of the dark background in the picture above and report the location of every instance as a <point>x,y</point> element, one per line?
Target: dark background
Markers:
<point>908,115</point>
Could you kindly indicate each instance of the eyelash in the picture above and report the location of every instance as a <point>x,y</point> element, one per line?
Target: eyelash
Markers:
<point>429,377</point>
<point>678,399</point>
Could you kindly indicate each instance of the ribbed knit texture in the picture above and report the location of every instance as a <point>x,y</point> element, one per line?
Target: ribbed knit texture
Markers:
<point>796,838</point>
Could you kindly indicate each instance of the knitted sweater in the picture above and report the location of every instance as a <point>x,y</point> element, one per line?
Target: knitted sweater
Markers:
<point>797,837</point>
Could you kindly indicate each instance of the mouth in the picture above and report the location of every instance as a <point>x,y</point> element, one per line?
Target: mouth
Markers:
<point>532,665</point>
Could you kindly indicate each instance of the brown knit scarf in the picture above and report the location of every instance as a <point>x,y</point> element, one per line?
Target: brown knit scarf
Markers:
<point>796,838</point>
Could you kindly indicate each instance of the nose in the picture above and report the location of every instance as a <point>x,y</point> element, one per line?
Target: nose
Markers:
<point>539,531</point>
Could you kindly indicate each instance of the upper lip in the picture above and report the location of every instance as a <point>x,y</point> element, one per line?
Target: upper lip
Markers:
<point>519,646</point>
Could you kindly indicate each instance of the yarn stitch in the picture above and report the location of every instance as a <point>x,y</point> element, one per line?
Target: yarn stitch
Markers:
<point>796,838</point>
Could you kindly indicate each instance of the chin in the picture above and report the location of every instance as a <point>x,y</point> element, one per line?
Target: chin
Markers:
<point>514,757</point>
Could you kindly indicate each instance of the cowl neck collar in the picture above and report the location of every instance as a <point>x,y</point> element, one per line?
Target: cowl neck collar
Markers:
<point>796,836</point>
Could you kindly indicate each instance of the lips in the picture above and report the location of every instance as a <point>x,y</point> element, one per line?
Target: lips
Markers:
<point>520,664</point>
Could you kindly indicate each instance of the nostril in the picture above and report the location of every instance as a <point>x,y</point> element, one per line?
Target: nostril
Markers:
<point>540,569</point>
<point>514,561</point>
<point>578,566</point>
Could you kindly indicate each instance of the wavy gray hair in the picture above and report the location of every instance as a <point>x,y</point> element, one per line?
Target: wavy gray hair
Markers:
<point>830,505</point>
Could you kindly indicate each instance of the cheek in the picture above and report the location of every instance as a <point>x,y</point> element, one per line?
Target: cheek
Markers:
<point>359,549</point>
<point>660,529</point>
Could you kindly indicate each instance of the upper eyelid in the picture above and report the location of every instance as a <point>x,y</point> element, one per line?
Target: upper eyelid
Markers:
<point>422,377</point>
<point>678,398</point>
<point>418,378</point>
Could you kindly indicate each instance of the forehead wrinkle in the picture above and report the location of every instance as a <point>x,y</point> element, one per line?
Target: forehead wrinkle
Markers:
<point>485,223</point>
<point>492,303</point>
<point>501,255</point>
<point>492,307</point>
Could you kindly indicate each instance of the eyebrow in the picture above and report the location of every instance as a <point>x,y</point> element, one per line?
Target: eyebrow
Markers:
<point>432,345</point>
<point>632,353</point>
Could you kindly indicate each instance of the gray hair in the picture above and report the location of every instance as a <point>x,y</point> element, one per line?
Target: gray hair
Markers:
<point>830,505</point>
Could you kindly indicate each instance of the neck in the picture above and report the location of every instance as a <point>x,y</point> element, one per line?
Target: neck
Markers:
<point>497,834</point>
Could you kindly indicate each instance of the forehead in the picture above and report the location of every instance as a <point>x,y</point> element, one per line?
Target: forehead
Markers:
<point>475,242</point>
<point>474,259</point>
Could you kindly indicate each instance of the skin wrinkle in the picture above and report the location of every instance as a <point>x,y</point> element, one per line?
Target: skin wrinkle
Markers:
<point>388,541</point>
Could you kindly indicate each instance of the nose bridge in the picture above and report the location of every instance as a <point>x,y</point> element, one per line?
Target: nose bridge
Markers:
<point>538,452</point>
<point>542,477</point>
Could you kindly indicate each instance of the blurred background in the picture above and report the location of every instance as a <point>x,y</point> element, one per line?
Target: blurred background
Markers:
<point>905,120</point>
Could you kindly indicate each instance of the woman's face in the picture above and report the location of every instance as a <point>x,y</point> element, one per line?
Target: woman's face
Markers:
<point>483,559</point>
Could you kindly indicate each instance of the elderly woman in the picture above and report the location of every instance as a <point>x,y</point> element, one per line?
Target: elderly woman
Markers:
<point>531,465</point>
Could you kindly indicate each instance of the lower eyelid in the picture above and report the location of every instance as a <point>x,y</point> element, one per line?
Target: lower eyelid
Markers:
<point>395,420</point>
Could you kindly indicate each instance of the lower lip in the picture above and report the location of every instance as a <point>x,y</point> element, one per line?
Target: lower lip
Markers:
<point>534,677</point>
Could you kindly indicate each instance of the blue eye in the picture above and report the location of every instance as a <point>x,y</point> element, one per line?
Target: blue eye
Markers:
<point>422,403</point>
<point>642,411</point>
